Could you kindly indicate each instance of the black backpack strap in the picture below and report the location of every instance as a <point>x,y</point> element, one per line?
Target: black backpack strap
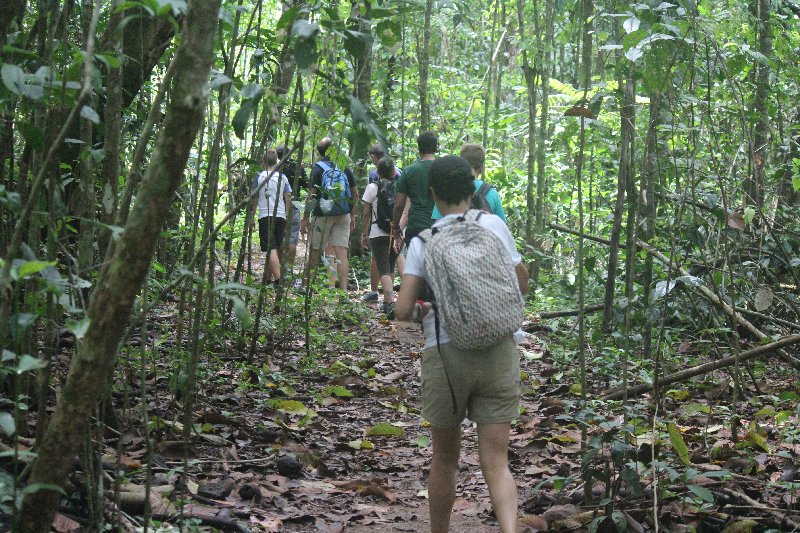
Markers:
<point>484,189</point>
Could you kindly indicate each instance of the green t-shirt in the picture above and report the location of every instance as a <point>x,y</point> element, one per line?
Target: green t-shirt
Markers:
<point>414,183</point>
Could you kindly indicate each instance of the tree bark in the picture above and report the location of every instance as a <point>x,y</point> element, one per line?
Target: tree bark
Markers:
<point>424,60</point>
<point>754,185</point>
<point>112,303</point>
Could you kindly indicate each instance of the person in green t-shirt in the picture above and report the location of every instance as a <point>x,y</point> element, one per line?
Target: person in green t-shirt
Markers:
<point>413,184</point>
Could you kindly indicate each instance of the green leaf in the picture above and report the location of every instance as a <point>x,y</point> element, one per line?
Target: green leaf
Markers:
<point>7,424</point>
<point>361,444</point>
<point>678,444</point>
<point>36,487</point>
<point>422,442</point>
<point>234,286</point>
<point>337,390</point>
<point>241,311</point>
<point>242,118</point>
<point>79,327</point>
<point>32,267</point>
<point>701,492</point>
<point>27,362</point>
<point>90,114</point>
<point>292,407</point>
<point>385,429</point>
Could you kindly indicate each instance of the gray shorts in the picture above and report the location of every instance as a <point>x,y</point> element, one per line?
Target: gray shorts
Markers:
<point>294,234</point>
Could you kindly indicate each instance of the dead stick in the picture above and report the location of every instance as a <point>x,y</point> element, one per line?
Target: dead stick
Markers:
<point>571,231</point>
<point>709,295</point>
<point>616,393</point>
<point>572,312</point>
<point>776,320</point>
<point>760,506</point>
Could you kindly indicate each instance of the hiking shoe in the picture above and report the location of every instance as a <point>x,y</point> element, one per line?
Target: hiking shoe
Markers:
<point>370,296</point>
<point>388,310</point>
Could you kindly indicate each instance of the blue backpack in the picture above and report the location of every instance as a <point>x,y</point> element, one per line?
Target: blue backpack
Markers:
<point>336,197</point>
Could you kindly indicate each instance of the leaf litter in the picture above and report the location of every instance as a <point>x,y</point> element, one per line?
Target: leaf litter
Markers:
<point>340,444</point>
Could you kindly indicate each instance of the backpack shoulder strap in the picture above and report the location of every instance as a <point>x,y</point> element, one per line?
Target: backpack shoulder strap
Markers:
<point>424,235</point>
<point>484,189</point>
<point>472,215</point>
<point>324,165</point>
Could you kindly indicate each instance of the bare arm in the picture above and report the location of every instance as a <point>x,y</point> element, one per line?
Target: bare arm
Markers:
<point>399,206</point>
<point>410,289</point>
<point>522,277</point>
<point>366,222</point>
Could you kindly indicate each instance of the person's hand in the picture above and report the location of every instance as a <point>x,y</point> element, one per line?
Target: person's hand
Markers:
<point>303,226</point>
<point>397,237</point>
<point>364,242</point>
<point>421,308</point>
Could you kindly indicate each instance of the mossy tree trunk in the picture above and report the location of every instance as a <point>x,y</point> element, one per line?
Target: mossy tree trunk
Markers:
<point>121,281</point>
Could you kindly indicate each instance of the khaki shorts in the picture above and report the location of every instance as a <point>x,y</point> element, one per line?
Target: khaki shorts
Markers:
<point>485,382</point>
<point>330,231</point>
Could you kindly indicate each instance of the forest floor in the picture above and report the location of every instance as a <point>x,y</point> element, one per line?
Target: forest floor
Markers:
<point>335,441</point>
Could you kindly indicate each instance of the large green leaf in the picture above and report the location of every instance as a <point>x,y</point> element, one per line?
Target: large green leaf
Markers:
<point>385,429</point>
<point>678,444</point>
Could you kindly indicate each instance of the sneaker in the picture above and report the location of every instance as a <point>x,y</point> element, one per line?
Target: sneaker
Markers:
<point>370,296</point>
<point>388,310</point>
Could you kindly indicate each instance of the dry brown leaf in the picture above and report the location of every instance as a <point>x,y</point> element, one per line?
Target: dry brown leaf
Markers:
<point>532,522</point>
<point>64,524</point>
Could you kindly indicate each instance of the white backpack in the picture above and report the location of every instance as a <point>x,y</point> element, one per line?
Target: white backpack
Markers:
<point>473,281</point>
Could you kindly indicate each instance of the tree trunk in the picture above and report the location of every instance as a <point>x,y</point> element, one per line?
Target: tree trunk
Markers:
<point>112,303</point>
<point>626,105</point>
<point>424,60</point>
<point>530,82</point>
<point>754,185</point>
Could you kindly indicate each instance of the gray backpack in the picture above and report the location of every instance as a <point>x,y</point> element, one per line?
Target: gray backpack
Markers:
<point>473,281</point>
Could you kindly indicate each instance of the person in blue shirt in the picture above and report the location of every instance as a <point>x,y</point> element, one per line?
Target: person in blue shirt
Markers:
<point>476,156</point>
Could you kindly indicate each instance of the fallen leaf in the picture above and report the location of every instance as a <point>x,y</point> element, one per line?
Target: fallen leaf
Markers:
<point>64,524</point>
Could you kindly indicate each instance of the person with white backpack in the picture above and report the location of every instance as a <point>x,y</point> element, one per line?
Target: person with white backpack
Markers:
<point>272,195</point>
<point>470,364</point>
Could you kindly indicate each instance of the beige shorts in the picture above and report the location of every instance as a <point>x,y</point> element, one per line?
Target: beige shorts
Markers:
<point>486,384</point>
<point>330,231</point>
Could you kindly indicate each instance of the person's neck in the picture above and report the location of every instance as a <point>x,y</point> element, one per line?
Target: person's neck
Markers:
<point>454,209</point>
<point>427,157</point>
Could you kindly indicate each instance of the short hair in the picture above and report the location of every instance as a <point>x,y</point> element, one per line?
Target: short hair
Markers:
<point>376,150</point>
<point>451,179</point>
<point>474,154</point>
<point>386,168</point>
<point>323,145</point>
<point>427,142</point>
<point>271,158</point>
<point>281,149</point>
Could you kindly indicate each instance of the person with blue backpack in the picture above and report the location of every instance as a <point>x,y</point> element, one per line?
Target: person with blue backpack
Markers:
<point>470,364</point>
<point>332,192</point>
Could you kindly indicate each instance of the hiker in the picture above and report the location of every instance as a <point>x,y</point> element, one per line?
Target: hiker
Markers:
<point>470,363</point>
<point>485,197</point>
<point>376,153</point>
<point>293,172</point>
<point>274,195</point>
<point>413,184</point>
<point>376,227</point>
<point>330,201</point>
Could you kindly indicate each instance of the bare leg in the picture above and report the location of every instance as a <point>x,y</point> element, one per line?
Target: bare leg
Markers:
<point>493,452</point>
<point>387,284</point>
<point>374,276</point>
<point>342,265</point>
<point>442,478</point>
<point>274,265</point>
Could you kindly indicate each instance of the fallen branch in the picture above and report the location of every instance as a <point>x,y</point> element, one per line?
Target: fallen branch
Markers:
<point>779,515</point>
<point>616,393</point>
<point>572,312</point>
<point>773,319</point>
<point>709,295</point>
